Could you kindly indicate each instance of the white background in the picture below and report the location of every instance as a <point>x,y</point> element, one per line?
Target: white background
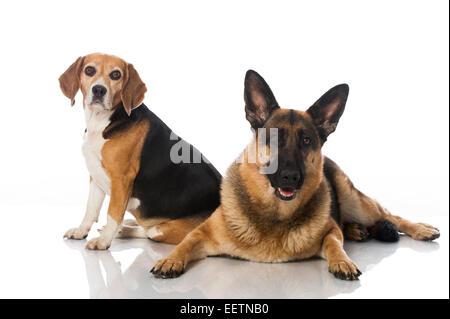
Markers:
<point>392,139</point>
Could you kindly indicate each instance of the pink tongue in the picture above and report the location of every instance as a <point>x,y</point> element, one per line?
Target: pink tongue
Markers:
<point>287,192</point>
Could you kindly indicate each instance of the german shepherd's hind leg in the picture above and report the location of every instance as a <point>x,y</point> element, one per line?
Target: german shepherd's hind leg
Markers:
<point>356,207</point>
<point>418,231</point>
<point>384,226</point>
<point>339,264</point>
<point>356,232</point>
<point>198,244</point>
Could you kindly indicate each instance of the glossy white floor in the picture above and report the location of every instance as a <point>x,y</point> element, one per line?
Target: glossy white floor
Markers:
<point>37,263</point>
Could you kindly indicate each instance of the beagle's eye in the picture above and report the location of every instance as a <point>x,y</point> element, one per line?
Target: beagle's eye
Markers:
<point>89,71</point>
<point>306,140</point>
<point>115,75</point>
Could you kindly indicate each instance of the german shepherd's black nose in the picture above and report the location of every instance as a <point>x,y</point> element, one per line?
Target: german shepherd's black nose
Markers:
<point>290,177</point>
<point>99,90</point>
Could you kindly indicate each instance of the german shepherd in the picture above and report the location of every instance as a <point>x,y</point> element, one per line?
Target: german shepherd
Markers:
<point>304,209</point>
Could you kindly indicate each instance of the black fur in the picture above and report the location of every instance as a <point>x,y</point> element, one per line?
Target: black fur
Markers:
<point>329,174</point>
<point>384,230</point>
<point>166,189</point>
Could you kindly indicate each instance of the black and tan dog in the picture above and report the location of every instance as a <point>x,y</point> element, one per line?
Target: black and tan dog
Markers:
<point>128,154</point>
<point>303,209</point>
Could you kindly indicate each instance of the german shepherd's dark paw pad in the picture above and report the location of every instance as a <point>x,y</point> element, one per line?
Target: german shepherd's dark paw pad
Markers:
<point>168,268</point>
<point>345,270</point>
<point>356,232</point>
<point>425,232</point>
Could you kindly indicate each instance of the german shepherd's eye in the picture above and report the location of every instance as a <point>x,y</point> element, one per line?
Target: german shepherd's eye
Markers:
<point>303,139</point>
<point>115,75</point>
<point>306,140</point>
<point>89,71</point>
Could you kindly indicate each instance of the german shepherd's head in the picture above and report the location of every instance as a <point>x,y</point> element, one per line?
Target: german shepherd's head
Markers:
<point>300,137</point>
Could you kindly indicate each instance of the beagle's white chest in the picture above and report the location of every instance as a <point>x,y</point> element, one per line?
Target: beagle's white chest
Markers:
<point>93,144</point>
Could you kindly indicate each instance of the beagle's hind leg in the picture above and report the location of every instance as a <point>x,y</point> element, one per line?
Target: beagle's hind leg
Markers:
<point>129,229</point>
<point>173,231</point>
<point>164,231</point>
<point>131,232</point>
<point>130,222</point>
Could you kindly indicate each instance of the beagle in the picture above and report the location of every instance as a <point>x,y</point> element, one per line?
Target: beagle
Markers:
<point>129,154</point>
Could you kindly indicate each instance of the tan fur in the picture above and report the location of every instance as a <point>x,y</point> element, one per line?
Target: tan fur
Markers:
<point>273,234</point>
<point>121,155</point>
<point>338,261</point>
<point>356,232</point>
<point>174,231</point>
<point>133,90</point>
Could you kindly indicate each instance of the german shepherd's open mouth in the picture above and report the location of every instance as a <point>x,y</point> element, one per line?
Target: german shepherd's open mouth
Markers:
<point>286,193</point>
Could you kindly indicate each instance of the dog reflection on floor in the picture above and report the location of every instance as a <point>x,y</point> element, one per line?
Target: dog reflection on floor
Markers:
<point>236,279</point>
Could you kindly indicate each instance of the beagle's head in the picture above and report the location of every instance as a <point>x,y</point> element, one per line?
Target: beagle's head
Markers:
<point>105,81</point>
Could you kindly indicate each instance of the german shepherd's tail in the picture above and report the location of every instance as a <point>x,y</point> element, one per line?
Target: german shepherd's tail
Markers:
<point>384,230</point>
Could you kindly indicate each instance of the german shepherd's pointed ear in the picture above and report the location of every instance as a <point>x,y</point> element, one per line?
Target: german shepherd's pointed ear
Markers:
<point>259,99</point>
<point>133,91</point>
<point>69,81</point>
<point>327,111</point>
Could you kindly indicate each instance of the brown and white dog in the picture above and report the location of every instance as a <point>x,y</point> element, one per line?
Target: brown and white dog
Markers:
<point>128,155</point>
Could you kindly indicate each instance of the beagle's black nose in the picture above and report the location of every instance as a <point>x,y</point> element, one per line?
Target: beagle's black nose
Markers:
<point>98,90</point>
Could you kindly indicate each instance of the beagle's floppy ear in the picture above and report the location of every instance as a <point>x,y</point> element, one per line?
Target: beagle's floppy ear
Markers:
<point>69,81</point>
<point>327,110</point>
<point>133,90</point>
<point>259,99</point>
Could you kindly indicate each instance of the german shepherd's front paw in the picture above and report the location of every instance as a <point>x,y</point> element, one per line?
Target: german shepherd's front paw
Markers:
<point>168,268</point>
<point>344,269</point>
<point>425,232</point>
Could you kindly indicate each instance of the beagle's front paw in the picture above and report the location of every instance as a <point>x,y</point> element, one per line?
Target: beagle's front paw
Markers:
<point>98,243</point>
<point>76,233</point>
